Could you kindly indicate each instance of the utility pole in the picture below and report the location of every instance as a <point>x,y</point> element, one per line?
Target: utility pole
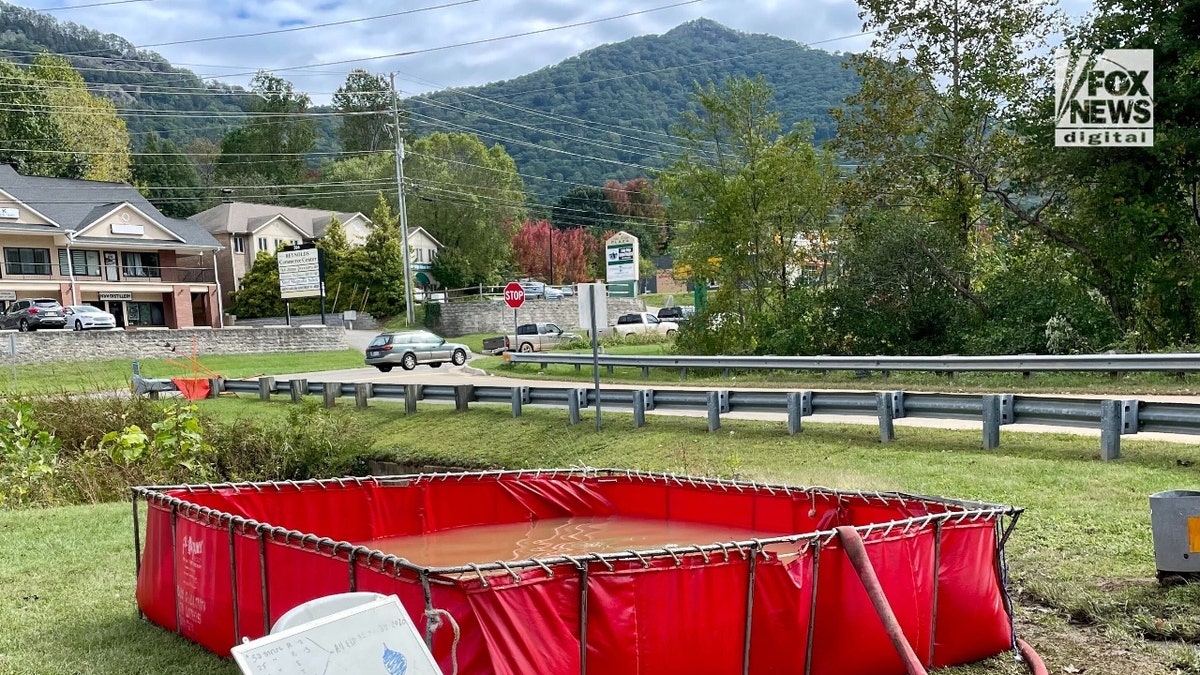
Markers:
<point>409,316</point>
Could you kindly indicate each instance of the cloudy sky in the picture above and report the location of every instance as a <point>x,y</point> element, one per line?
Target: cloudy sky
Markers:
<point>420,41</point>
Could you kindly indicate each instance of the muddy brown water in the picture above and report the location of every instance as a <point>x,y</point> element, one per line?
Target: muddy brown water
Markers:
<point>553,537</point>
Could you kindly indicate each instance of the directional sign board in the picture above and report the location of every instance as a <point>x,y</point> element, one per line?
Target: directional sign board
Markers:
<point>299,273</point>
<point>514,295</point>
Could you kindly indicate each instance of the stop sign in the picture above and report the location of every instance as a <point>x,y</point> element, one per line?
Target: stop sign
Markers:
<point>514,295</point>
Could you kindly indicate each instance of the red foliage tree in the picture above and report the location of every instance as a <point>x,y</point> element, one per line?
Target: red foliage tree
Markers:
<point>573,249</point>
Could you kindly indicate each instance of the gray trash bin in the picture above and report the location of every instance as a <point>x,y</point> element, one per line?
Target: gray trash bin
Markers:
<point>1175,523</point>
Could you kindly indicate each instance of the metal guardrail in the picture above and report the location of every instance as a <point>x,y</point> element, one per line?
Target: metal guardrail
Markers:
<point>1112,417</point>
<point>1098,363</point>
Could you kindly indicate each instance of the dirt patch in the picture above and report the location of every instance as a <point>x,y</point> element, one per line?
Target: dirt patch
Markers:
<point>1072,648</point>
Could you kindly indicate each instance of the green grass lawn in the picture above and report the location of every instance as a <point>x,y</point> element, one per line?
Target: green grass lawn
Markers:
<point>1082,553</point>
<point>116,374</point>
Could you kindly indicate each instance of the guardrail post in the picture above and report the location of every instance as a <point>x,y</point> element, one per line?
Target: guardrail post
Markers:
<point>610,369</point>
<point>215,385</point>
<point>411,393</point>
<point>1129,416</point>
<point>794,412</point>
<point>573,407</point>
<point>991,421</point>
<point>266,387</point>
<point>883,406</point>
<point>517,400</point>
<point>578,367</point>
<point>645,372</point>
<point>639,409</point>
<point>298,389</point>
<point>1110,429</point>
<point>362,392</point>
<point>330,392</point>
<point>683,373</point>
<point>714,410</point>
<point>463,393</point>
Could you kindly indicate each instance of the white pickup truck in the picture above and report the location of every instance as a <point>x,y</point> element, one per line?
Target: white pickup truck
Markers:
<point>643,322</point>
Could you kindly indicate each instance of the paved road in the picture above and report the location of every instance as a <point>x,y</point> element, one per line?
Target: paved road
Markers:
<point>451,375</point>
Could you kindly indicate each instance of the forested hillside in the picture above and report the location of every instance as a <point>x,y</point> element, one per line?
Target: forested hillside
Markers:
<point>150,93</point>
<point>615,101</point>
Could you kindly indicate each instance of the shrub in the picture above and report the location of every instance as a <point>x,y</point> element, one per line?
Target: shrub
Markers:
<point>313,442</point>
<point>28,457</point>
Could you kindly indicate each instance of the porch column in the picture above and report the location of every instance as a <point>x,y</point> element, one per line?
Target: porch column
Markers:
<point>179,307</point>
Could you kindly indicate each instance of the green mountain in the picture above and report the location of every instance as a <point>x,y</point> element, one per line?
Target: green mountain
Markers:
<point>150,93</point>
<point>587,118</point>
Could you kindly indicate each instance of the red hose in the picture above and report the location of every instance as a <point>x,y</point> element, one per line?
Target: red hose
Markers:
<point>1032,661</point>
<point>855,550</point>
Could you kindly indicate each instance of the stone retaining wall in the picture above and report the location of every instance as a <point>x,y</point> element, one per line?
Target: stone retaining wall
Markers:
<point>493,316</point>
<point>46,346</point>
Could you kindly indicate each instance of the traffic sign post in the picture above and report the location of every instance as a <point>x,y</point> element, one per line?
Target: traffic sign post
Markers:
<point>514,296</point>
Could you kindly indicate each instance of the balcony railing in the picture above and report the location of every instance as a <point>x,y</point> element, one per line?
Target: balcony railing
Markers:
<point>111,274</point>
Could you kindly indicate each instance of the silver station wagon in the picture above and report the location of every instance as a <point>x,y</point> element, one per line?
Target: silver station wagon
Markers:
<point>411,347</point>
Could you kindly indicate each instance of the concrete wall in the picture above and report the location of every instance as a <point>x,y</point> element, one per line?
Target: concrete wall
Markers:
<point>46,346</point>
<point>493,316</point>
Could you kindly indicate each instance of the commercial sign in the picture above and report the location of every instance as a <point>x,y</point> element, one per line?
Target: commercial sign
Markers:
<point>621,257</point>
<point>128,295</point>
<point>1104,99</point>
<point>127,228</point>
<point>10,213</point>
<point>8,295</point>
<point>300,273</point>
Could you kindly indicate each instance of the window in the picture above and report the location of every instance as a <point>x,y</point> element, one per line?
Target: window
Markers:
<point>83,263</point>
<point>432,252</point>
<point>239,244</point>
<point>145,314</point>
<point>27,261</point>
<point>262,244</point>
<point>420,255</point>
<point>140,265</point>
<point>277,243</point>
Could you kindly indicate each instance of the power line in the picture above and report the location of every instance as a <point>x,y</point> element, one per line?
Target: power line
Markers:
<point>66,8</point>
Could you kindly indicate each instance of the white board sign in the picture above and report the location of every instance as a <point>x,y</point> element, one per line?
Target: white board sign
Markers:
<point>586,293</point>
<point>299,273</point>
<point>9,213</point>
<point>375,638</point>
<point>8,295</point>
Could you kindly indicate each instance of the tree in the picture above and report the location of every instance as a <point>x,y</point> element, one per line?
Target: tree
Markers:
<point>573,250</point>
<point>51,125</point>
<point>379,264</point>
<point>377,170</point>
<point>587,207</point>
<point>641,212</point>
<point>257,295</point>
<point>365,102</point>
<point>168,178</point>
<point>939,89</point>
<point>269,148</point>
<point>751,197</point>
<point>469,197</point>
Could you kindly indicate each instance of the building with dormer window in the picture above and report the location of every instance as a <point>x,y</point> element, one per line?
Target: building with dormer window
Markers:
<point>103,244</point>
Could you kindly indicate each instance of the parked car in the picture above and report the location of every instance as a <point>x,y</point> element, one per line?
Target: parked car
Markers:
<point>533,289</point>
<point>678,314</point>
<point>87,317</point>
<point>33,313</point>
<point>552,293</point>
<point>643,322</point>
<point>538,337</point>
<point>411,347</point>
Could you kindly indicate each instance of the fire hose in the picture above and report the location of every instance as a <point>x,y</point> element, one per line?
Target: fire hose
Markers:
<point>856,551</point>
